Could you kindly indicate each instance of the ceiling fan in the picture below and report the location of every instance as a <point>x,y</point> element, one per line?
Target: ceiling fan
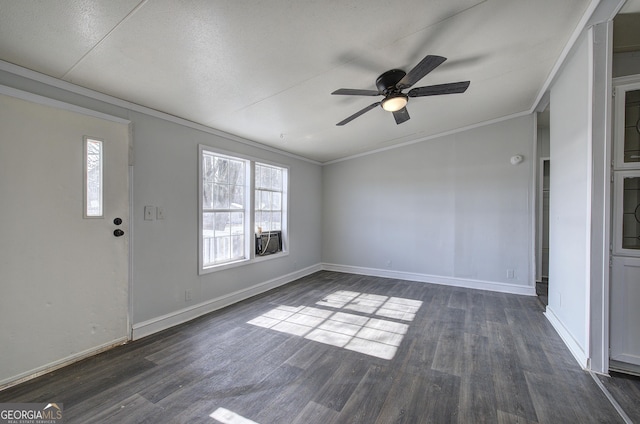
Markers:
<point>391,83</point>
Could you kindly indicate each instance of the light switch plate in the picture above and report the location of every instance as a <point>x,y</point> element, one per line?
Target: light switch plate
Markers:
<point>149,213</point>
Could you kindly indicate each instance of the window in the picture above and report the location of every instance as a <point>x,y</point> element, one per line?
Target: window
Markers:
<point>92,178</point>
<point>228,210</point>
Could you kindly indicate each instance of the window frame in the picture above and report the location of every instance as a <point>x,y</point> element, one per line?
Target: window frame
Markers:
<point>249,211</point>
<point>85,185</point>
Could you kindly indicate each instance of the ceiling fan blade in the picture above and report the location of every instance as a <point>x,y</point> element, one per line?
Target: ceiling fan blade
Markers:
<point>355,92</point>
<point>436,90</point>
<point>355,115</point>
<point>401,115</point>
<point>426,65</point>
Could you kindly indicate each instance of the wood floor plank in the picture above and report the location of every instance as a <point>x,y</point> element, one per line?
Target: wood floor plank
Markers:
<point>365,403</point>
<point>315,413</point>
<point>339,388</point>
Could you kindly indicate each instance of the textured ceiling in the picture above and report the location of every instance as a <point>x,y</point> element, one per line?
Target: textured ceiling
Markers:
<point>264,70</point>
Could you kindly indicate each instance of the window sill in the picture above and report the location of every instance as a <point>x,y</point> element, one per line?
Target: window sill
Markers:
<point>242,262</point>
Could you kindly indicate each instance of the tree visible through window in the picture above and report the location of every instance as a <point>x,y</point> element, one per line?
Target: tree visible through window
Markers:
<point>228,211</point>
<point>224,207</point>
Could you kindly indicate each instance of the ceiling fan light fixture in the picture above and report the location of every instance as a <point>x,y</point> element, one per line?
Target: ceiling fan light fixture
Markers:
<point>394,103</point>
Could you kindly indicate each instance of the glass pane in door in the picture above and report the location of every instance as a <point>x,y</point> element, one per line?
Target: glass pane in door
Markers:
<point>632,127</point>
<point>631,213</point>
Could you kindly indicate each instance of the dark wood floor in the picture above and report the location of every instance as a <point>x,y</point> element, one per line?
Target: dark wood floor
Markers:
<point>467,356</point>
<point>625,389</point>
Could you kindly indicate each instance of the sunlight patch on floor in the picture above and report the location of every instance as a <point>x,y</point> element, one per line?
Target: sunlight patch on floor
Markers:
<point>229,417</point>
<point>368,335</point>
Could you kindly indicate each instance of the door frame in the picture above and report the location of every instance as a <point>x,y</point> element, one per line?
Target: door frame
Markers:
<point>539,220</point>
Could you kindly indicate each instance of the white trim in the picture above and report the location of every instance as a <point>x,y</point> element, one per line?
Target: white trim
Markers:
<point>566,336</point>
<point>531,207</point>
<point>181,316</point>
<point>602,343</point>
<point>589,200</point>
<point>67,86</point>
<point>46,101</point>
<point>431,137</point>
<point>434,279</point>
<point>130,255</point>
<point>52,366</point>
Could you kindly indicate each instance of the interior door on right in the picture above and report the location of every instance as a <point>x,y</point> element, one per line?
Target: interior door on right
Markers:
<point>625,271</point>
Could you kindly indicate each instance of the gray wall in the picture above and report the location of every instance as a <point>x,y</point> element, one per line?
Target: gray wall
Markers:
<point>450,209</point>
<point>570,192</point>
<point>165,252</point>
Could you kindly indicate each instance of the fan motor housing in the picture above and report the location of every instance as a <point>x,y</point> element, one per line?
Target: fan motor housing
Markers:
<point>386,83</point>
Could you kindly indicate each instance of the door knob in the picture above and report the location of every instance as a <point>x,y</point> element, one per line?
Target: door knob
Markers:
<point>118,232</point>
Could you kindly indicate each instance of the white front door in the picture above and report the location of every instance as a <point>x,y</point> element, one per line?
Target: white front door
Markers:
<point>63,273</point>
<point>625,273</point>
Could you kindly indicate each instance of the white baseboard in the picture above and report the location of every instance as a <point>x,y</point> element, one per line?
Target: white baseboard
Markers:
<point>52,366</point>
<point>164,322</point>
<point>574,347</point>
<point>434,279</point>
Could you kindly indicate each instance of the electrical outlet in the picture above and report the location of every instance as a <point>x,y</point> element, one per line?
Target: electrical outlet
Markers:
<point>389,264</point>
<point>149,213</point>
<point>511,274</point>
<point>160,213</point>
<point>187,295</point>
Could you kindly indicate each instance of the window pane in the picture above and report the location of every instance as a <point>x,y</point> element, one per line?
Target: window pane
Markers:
<point>207,224</point>
<point>207,168</point>
<point>263,200</point>
<point>222,227</point>
<point>207,195</point>
<point>276,220</point>
<point>632,127</point>
<point>237,222</point>
<point>276,179</point>
<point>238,246</point>
<point>265,177</point>
<point>221,196</point>
<point>224,188</point>
<point>266,221</point>
<point>222,249</point>
<point>221,170</point>
<point>236,172</point>
<point>208,249</point>
<point>276,201</point>
<point>93,169</point>
<point>631,213</point>
<point>237,197</point>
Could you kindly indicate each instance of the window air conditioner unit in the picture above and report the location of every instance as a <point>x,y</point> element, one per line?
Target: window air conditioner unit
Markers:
<point>268,243</point>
